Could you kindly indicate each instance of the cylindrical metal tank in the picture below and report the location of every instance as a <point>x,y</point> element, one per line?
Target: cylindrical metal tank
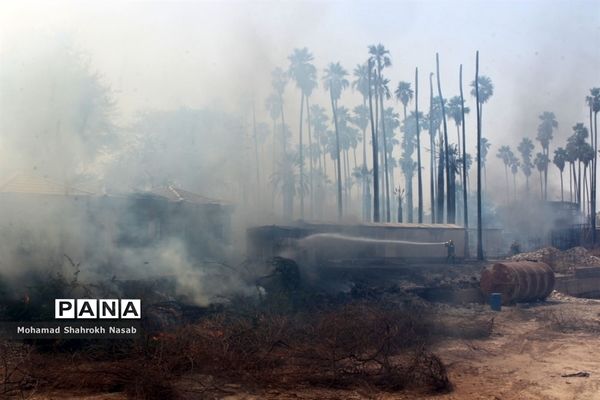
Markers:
<point>518,281</point>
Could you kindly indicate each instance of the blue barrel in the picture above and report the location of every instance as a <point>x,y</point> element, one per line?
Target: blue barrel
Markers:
<point>496,301</point>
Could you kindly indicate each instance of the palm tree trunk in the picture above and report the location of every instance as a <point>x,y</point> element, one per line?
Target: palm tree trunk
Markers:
<point>440,183</point>
<point>385,158</point>
<point>479,217</point>
<point>381,175</point>
<point>376,216</point>
<point>580,187</point>
<point>310,155</point>
<point>507,189</point>
<point>562,193</point>
<point>399,208</point>
<point>385,154</point>
<point>301,155</point>
<point>458,141</point>
<point>432,155</point>
<point>546,175</point>
<point>419,177</point>
<point>345,180</point>
<point>287,196</point>
<point>432,179</point>
<point>575,183</point>
<point>366,198</point>
<point>409,197</point>
<point>464,165</point>
<point>339,165</point>
<point>392,186</point>
<point>594,176</point>
<point>570,184</point>
<point>258,190</point>
<point>450,196</point>
<point>585,190</point>
<point>274,163</point>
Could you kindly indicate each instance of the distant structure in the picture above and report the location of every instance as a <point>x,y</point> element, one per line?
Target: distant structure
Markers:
<point>41,212</point>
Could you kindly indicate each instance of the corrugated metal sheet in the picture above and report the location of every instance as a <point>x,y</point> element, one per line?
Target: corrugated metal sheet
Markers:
<point>176,194</point>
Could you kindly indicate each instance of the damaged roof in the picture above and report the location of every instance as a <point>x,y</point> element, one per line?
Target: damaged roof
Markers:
<point>24,183</point>
<point>174,194</point>
<point>35,184</point>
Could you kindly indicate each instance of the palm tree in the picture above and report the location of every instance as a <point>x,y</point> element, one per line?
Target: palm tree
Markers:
<point>362,85</point>
<point>545,129</point>
<point>587,156</point>
<point>380,56</point>
<point>486,91</point>
<point>310,149</point>
<point>594,103</point>
<point>560,159</point>
<point>484,147</point>
<point>279,81</point>
<point>525,148</point>
<point>407,164</point>
<point>572,157</point>
<point>349,139</point>
<point>318,121</point>
<point>335,82</point>
<point>256,158</point>
<point>305,75</point>
<point>575,146</point>
<point>360,118</point>
<point>436,123</point>
<point>455,109</point>
<point>453,169</point>
<point>479,100</point>
<point>376,214</point>
<point>506,155</point>
<point>541,162</point>
<point>527,168</point>
<point>514,168</point>
<point>392,122</point>
<point>404,94</point>
<point>272,105</point>
<point>361,81</point>
<point>419,177</point>
<point>450,199</point>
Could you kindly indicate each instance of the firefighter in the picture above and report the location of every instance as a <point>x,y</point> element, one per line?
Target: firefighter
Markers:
<point>515,247</point>
<point>451,251</point>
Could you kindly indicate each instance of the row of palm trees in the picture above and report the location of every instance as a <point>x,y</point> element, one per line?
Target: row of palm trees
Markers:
<point>374,88</point>
<point>579,154</point>
<point>447,160</point>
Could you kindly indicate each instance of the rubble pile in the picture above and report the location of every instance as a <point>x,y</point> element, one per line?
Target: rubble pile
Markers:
<point>560,261</point>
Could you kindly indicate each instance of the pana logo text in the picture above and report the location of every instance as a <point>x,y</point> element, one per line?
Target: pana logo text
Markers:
<point>97,309</point>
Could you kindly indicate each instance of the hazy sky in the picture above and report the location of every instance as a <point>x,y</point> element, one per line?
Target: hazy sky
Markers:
<point>541,55</point>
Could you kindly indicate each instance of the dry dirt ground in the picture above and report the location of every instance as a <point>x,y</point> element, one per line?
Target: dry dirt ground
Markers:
<point>530,350</point>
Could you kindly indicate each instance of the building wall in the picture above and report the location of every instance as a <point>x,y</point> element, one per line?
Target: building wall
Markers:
<point>421,242</point>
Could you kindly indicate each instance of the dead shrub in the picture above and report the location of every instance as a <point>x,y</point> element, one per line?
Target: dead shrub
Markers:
<point>360,343</point>
<point>565,323</point>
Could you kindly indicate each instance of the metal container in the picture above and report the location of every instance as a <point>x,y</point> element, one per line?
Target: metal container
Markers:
<point>518,281</point>
<point>496,301</point>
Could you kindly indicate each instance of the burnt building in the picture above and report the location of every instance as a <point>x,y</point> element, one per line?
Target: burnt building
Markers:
<point>41,215</point>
